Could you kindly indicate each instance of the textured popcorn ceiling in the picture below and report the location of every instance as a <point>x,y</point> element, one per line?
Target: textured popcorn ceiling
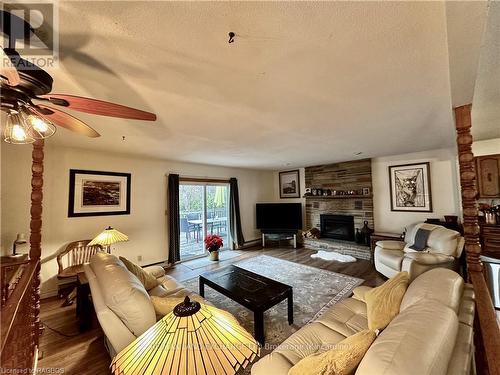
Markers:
<point>304,83</point>
<point>486,103</point>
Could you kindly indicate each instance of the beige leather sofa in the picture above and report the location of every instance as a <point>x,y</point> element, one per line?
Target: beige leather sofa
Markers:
<point>123,306</point>
<point>444,247</point>
<point>431,335</point>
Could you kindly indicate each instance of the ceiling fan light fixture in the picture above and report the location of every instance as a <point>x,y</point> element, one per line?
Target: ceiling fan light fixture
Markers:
<point>38,127</point>
<point>15,131</point>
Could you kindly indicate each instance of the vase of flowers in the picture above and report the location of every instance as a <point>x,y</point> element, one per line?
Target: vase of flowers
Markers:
<point>213,243</point>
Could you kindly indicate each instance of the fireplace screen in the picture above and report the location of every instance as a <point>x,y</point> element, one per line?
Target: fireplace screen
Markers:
<point>340,227</point>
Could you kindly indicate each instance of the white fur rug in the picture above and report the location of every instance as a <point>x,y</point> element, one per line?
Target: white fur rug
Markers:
<point>331,255</point>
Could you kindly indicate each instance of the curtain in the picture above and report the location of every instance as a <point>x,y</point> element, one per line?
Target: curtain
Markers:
<point>234,213</point>
<point>174,252</point>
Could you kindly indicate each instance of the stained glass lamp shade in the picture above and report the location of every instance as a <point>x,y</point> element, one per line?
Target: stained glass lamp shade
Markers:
<point>194,339</point>
<point>108,237</point>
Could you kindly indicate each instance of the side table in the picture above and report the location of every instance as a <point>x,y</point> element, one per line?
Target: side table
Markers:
<point>381,236</point>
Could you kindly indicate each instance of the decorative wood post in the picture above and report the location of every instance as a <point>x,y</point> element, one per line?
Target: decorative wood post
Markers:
<point>486,330</point>
<point>36,227</point>
<point>469,190</point>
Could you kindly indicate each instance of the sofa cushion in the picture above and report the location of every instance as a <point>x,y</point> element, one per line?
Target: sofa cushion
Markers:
<point>347,317</point>
<point>463,352</point>
<point>156,271</point>
<point>123,293</point>
<point>390,258</point>
<point>441,240</point>
<point>467,308</point>
<point>147,279</point>
<point>167,286</point>
<point>340,360</point>
<point>439,284</point>
<point>310,339</point>
<point>444,241</point>
<point>419,341</point>
<point>383,302</point>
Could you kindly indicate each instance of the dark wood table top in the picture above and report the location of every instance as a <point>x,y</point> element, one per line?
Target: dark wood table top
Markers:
<point>245,287</point>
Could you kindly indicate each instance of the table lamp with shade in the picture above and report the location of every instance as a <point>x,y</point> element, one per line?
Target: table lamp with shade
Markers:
<point>108,237</point>
<point>193,339</point>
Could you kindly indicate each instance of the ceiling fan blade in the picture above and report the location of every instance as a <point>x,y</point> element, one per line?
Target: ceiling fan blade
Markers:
<point>65,120</point>
<point>98,107</point>
<point>8,71</point>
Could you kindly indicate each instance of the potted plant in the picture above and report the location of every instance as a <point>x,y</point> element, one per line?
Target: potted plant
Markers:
<point>213,243</point>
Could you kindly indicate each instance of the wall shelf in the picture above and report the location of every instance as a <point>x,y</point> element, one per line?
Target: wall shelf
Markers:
<point>354,196</point>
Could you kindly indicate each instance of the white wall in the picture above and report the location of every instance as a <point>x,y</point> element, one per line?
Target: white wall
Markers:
<point>146,226</point>
<point>444,186</point>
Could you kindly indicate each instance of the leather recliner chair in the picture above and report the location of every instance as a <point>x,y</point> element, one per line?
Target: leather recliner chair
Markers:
<point>444,247</point>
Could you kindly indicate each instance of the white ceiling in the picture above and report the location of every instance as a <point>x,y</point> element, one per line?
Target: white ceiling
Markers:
<point>304,83</point>
<point>486,103</point>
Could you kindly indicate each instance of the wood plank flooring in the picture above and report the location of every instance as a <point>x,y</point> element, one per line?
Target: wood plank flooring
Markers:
<point>85,354</point>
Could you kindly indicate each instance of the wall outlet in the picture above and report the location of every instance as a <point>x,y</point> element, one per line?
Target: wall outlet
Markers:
<point>139,258</point>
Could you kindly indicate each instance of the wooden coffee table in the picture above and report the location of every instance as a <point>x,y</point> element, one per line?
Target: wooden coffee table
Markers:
<point>255,292</point>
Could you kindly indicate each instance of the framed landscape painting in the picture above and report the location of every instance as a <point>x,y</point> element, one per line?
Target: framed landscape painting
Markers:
<point>290,184</point>
<point>410,186</point>
<point>96,193</point>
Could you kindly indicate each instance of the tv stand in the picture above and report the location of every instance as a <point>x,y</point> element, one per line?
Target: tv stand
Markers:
<point>282,235</point>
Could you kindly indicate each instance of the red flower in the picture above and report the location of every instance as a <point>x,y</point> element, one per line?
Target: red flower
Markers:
<point>213,242</point>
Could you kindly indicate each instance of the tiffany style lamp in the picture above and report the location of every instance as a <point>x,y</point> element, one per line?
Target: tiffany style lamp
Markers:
<point>194,339</point>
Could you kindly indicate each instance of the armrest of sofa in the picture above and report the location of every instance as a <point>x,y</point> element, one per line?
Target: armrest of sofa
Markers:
<point>429,258</point>
<point>360,291</point>
<point>417,263</point>
<point>391,245</point>
<point>156,271</point>
<point>273,363</point>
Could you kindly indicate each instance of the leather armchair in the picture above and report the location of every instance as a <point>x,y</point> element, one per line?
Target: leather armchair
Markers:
<point>444,247</point>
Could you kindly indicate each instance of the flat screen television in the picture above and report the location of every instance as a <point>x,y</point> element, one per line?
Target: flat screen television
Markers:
<point>279,216</point>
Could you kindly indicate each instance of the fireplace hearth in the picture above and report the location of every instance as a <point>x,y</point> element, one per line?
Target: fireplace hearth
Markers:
<point>340,227</point>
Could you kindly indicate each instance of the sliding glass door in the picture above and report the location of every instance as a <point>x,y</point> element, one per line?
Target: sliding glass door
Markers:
<point>203,210</point>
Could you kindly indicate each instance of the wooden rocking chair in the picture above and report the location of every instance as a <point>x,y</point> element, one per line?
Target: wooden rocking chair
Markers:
<point>70,262</point>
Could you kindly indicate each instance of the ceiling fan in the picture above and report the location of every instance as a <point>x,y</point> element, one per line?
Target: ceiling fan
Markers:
<point>25,94</point>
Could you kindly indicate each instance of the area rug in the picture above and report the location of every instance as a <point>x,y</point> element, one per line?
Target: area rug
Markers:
<point>224,256</point>
<point>332,255</point>
<point>314,290</point>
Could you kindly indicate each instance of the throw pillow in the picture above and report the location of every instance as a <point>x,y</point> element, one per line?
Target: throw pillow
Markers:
<point>341,360</point>
<point>421,238</point>
<point>383,302</point>
<point>148,280</point>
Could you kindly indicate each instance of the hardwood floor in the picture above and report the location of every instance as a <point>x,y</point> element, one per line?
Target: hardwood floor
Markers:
<point>85,354</point>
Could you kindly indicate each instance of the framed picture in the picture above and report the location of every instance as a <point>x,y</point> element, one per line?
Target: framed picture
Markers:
<point>410,186</point>
<point>366,191</point>
<point>290,184</point>
<point>96,193</point>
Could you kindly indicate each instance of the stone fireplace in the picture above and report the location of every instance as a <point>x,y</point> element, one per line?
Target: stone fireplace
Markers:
<point>340,227</point>
<point>352,175</point>
<point>338,216</point>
